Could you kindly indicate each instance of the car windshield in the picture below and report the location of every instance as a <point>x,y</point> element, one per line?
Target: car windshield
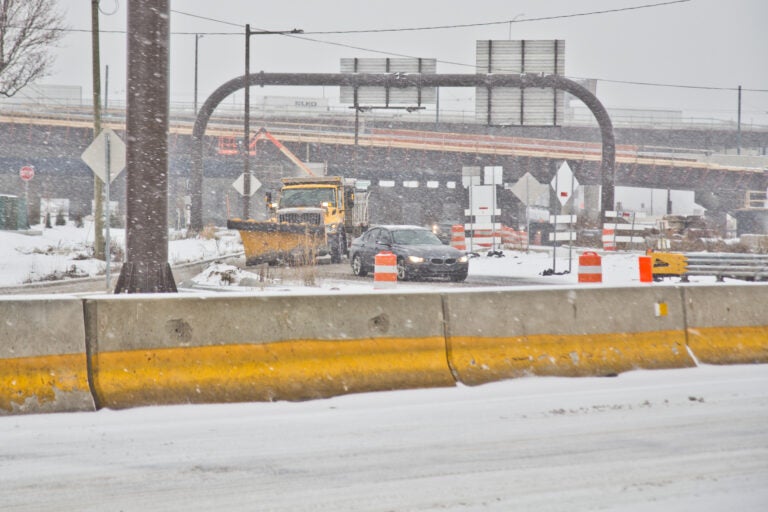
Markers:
<point>307,197</point>
<point>415,237</point>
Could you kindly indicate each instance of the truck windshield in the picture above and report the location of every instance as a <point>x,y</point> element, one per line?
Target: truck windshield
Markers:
<point>295,197</point>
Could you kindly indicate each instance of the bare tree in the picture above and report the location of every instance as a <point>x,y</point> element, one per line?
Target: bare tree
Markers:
<point>27,29</point>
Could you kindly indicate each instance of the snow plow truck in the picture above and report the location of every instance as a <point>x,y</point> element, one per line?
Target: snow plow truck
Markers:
<point>314,217</point>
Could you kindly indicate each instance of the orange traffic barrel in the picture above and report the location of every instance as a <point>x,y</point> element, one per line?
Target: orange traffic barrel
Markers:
<point>385,270</point>
<point>458,240</point>
<point>590,268</point>
<point>646,268</point>
<point>609,239</point>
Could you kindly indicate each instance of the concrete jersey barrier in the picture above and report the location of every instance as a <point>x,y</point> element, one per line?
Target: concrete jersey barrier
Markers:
<point>61,353</point>
<point>727,324</point>
<point>43,365</point>
<point>565,332</point>
<point>161,349</point>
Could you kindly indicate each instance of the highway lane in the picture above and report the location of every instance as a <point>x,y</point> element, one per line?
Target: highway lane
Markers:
<point>184,273</point>
<point>343,272</point>
<point>672,440</point>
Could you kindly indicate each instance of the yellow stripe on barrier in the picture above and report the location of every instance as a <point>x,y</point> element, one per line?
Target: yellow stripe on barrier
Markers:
<point>479,360</point>
<point>294,370</point>
<point>38,383</point>
<point>729,345</point>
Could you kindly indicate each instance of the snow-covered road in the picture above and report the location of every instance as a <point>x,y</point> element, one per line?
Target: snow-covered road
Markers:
<point>672,440</point>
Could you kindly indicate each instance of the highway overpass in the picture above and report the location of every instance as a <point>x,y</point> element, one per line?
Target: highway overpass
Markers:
<point>389,151</point>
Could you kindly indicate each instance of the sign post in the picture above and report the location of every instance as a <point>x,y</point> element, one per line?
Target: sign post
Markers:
<point>528,190</point>
<point>564,184</point>
<point>106,157</point>
<point>107,251</point>
<point>26,173</point>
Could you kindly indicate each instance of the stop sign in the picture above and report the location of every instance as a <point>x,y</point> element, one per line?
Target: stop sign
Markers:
<point>27,172</point>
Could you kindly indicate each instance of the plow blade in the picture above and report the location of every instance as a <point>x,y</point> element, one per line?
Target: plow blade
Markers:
<point>276,242</point>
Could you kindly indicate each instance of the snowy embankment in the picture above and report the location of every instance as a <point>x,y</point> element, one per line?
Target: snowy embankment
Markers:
<point>64,252</point>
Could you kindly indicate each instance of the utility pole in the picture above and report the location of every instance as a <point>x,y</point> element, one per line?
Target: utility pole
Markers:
<point>106,88</point>
<point>738,127</point>
<point>98,189</point>
<point>197,38</point>
<point>247,128</point>
<point>247,113</point>
<point>146,268</point>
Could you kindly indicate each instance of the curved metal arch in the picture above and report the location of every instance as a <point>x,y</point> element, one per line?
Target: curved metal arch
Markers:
<point>400,80</point>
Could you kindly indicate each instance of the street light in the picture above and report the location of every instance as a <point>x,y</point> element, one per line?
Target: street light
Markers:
<point>197,38</point>
<point>247,116</point>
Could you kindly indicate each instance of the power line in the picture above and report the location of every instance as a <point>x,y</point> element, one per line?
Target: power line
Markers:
<point>206,18</point>
<point>627,82</point>
<point>457,26</point>
<point>394,54</point>
<point>401,29</point>
<point>676,86</point>
<point>504,22</point>
<point>440,27</point>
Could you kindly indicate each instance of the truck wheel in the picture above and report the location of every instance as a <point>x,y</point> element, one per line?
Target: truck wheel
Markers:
<point>357,266</point>
<point>337,249</point>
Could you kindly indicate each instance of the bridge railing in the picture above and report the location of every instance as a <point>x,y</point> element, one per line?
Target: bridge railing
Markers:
<point>234,110</point>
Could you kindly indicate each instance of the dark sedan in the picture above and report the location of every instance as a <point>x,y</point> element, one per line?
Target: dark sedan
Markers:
<point>420,253</point>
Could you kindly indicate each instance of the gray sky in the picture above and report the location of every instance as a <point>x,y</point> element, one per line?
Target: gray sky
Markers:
<point>703,43</point>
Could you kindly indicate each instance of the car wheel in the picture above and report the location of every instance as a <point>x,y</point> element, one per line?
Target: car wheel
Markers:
<point>457,278</point>
<point>402,272</point>
<point>357,266</point>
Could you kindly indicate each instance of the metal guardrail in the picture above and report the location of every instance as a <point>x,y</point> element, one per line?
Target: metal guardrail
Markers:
<point>752,267</point>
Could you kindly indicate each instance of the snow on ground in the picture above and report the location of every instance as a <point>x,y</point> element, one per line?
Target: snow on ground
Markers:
<point>643,441</point>
<point>43,254</point>
<point>64,252</point>
<point>691,439</point>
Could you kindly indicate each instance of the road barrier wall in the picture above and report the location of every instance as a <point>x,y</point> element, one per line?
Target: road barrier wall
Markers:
<point>62,353</point>
<point>565,332</point>
<point>727,324</point>
<point>43,365</point>
<point>160,349</point>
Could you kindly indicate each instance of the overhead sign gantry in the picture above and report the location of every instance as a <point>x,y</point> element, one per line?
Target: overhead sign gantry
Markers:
<point>400,80</point>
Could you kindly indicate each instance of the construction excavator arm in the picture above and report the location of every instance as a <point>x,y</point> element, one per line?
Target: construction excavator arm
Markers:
<point>264,134</point>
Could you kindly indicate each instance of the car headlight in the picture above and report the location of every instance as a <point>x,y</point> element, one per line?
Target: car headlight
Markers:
<point>415,259</point>
<point>463,259</point>
<point>331,229</point>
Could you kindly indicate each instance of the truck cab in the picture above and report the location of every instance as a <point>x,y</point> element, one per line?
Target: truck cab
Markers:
<point>319,200</point>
